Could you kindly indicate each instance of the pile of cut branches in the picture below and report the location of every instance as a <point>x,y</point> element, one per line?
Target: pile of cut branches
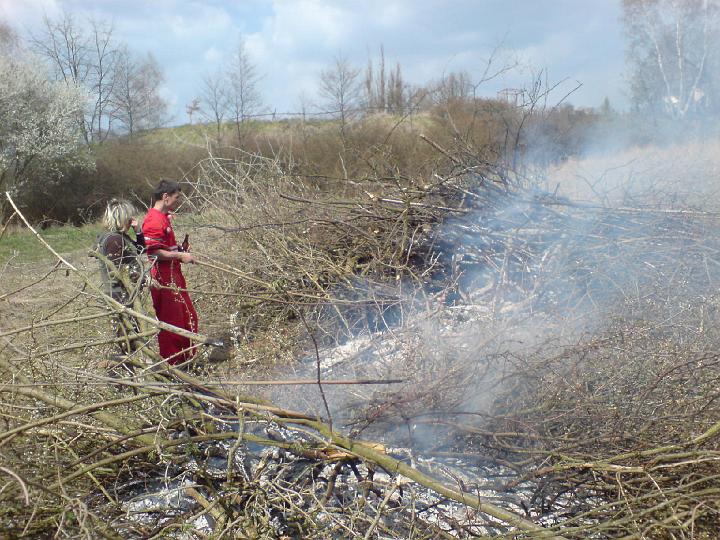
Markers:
<point>591,371</point>
<point>567,351</point>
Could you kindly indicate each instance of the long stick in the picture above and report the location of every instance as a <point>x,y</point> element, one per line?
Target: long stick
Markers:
<point>290,382</point>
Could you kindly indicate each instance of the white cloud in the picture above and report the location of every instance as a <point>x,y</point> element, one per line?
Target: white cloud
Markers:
<point>26,14</point>
<point>212,55</point>
<point>299,23</point>
<point>198,19</point>
<point>290,41</point>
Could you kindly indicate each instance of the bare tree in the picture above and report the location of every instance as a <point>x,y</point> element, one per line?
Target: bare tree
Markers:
<point>397,92</point>
<point>86,57</point>
<point>191,108</point>
<point>673,55</point>
<point>389,92</point>
<point>105,54</point>
<point>381,93</point>
<point>340,90</point>
<point>137,102</point>
<point>456,86</point>
<point>65,46</point>
<point>369,86</point>
<point>244,96</point>
<point>214,98</point>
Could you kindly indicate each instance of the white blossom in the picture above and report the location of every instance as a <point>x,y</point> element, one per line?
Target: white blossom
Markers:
<point>39,123</point>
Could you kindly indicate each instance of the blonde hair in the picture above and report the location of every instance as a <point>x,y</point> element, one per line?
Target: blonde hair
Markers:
<point>118,215</point>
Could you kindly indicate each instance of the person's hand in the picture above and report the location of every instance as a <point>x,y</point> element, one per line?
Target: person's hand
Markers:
<point>134,225</point>
<point>187,258</point>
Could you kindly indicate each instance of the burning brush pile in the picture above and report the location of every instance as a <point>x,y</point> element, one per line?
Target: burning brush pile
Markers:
<point>559,371</point>
<point>573,367</point>
<point>558,365</point>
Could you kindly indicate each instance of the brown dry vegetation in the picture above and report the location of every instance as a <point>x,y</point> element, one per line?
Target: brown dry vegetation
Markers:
<point>571,351</point>
<point>372,146</point>
<point>279,252</point>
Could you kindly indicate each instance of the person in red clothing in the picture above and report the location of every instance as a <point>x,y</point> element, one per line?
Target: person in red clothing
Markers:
<point>170,298</point>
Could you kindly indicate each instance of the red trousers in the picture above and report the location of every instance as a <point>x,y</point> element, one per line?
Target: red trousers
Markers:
<point>174,307</point>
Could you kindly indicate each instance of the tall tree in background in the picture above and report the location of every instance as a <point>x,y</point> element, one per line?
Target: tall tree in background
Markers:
<point>192,108</point>
<point>673,54</point>
<point>85,56</point>
<point>455,87</point>
<point>384,92</point>
<point>340,91</point>
<point>244,96</point>
<point>214,99</point>
<point>375,89</point>
<point>137,104</point>
<point>397,95</point>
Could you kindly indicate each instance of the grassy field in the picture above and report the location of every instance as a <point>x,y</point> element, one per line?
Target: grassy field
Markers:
<point>198,133</point>
<point>20,245</point>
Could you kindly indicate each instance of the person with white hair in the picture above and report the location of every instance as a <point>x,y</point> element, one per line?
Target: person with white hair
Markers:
<point>120,265</point>
<point>116,245</point>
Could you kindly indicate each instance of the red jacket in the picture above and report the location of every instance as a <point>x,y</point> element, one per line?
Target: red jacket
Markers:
<point>171,301</point>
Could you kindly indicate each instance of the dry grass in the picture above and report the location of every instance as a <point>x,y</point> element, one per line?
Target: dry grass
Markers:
<point>585,367</point>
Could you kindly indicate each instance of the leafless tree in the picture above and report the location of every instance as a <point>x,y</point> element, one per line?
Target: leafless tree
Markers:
<point>244,92</point>
<point>340,90</point>
<point>214,99</point>
<point>385,92</point>
<point>397,91</point>
<point>137,102</point>
<point>105,54</point>
<point>83,56</point>
<point>192,107</point>
<point>673,55</point>
<point>381,81</point>
<point>304,104</point>
<point>375,90</point>
<point>455,86</point>
<point>66,46</point>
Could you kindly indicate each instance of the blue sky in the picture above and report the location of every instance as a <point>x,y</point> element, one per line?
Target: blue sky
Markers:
<point>291,41</point>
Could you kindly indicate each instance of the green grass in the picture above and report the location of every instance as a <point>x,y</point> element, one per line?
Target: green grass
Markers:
<point>197,133</point>
<point>23,247</point>
<point>179,135</point>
